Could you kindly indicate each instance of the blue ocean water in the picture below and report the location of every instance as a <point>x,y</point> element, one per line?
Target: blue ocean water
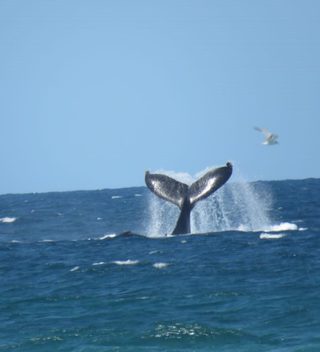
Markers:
<point>247,280</point>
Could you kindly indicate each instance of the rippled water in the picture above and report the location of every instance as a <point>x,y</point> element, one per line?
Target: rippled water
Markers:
<point>249,283</point>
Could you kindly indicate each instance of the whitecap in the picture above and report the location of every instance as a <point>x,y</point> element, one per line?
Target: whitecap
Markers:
<point>75,268</point>
<point>283,226</point>
<point>269,236</point>
<point>160,265</point>
<point>98,263</point>
<point>46,338</point>
<point>7,220</point>
<point>138,195</point>
<point>110,235</point>
<point>116,197</point>
<point>126,262</point>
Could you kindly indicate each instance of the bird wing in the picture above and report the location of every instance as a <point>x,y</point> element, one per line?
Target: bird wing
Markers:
<point>265,131</point>
<point>272,138</point>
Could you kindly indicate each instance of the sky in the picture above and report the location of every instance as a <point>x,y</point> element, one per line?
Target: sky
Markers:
<point>95,92</point>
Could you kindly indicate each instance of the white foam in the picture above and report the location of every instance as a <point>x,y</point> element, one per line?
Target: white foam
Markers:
<point>7,220</point>
<point>269,236</point>
<point>108,236</point>
<point>126,262</point>
<point>160,265</point>
<point>75,268</point>
<point>116,197</point>
<point>138,195</point>
<point>283,226</point>
<point>98,263</point>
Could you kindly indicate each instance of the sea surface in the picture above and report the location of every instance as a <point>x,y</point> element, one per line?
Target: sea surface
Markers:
<point>247,279</point>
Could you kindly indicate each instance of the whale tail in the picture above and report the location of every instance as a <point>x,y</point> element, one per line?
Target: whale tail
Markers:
<point>184,196</point>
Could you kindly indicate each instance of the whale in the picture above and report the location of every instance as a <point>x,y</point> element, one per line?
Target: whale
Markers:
<point>184,196</point>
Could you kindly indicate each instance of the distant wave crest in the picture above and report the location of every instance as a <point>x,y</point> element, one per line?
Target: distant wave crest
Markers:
<point>108,236</point>
<point>269,236</point>
<point>283,226</point>
<point>160,265</point>
<point>125,262</point>
<point>8,220</point>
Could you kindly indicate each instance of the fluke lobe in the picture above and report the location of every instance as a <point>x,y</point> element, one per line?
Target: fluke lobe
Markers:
<point>184,196</point>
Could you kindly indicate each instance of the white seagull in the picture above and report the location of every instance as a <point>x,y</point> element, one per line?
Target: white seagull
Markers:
<point>270,138</point>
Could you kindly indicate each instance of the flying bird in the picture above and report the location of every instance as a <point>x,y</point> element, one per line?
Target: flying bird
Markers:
<point>270,138</point>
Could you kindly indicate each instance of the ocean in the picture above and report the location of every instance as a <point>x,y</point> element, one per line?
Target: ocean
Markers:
<point>247,279</point>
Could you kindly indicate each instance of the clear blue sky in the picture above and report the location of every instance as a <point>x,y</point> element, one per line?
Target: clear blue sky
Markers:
<point>95,92</point>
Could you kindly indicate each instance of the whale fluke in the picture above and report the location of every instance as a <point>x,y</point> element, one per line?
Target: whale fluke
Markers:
<point>184,196</point>
<point>167,188</point>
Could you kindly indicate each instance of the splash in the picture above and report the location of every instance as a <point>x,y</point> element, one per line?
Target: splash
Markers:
<point>240,206</point>
<point>237,206</point>
<point>161,217</point>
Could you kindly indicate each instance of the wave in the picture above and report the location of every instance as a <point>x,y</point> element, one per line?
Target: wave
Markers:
<point>265,232</point>
<point>283,226</point>
<point>268,236</point>
<point>108,236</point>
<point>160,265</point>
<point>8,220</point>
<point>126,262</point>
<point>98,263</point>
<point>75,268</point>
<point>179,331</point>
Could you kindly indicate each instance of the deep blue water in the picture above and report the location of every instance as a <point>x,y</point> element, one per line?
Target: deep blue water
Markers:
<point>250,281</point>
